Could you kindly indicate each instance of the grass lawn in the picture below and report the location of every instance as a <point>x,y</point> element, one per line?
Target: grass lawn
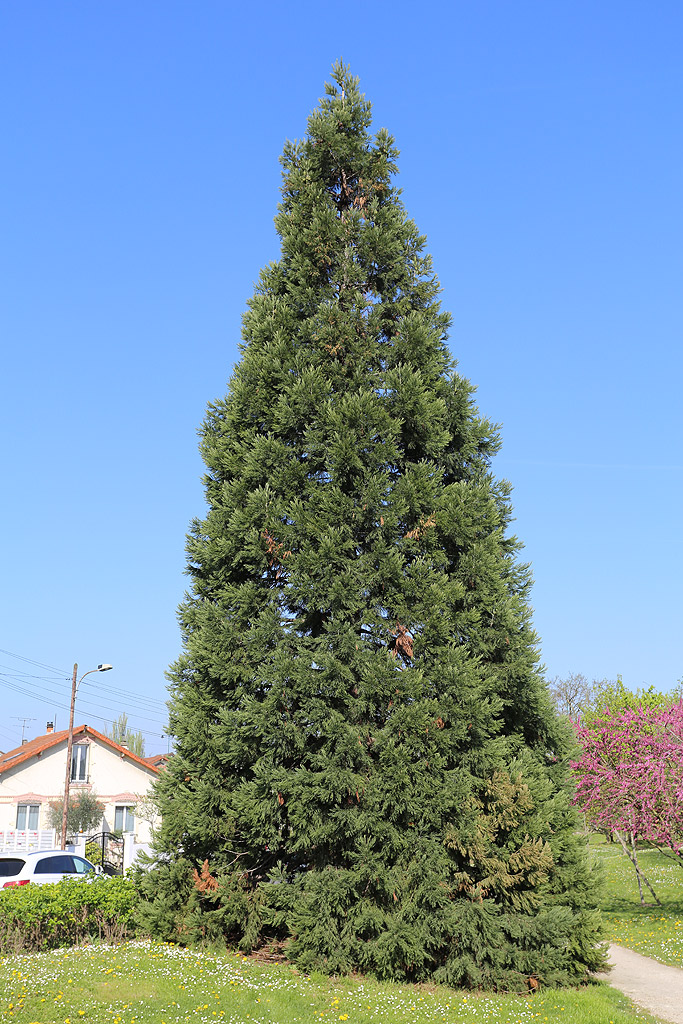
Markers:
<point>144,983</point>
<point>652,930</point>
<point>141,983</point>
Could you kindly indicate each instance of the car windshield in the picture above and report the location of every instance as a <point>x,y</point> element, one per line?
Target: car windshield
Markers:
<point>82,867</point>
<point>10,866</point>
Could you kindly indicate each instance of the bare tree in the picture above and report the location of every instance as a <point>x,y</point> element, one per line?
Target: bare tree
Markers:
<point>572,695</point>
<point>146,809</point>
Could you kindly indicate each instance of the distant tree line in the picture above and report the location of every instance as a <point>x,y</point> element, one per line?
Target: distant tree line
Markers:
<point>582,700</point>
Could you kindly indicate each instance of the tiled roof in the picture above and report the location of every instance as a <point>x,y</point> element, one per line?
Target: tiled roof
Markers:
<point>40,744</point>
<point>157,760</point>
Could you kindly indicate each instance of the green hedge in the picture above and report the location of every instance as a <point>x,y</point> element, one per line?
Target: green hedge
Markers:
<point>36,917</point>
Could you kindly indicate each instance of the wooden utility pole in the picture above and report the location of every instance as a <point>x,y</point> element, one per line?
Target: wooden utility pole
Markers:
<point>70,741</point>
<point>69,747</point>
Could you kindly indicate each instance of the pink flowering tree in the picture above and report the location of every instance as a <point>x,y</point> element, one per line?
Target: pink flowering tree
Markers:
<point>630,778</point>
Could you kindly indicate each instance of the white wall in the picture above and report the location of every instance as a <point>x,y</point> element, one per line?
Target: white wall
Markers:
<point>115,778</point>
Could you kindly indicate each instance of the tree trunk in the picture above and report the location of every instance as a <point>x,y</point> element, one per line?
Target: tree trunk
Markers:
<point>633,857</point>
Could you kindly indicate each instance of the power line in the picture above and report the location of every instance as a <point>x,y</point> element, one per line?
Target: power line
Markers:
<point>8,736</point>
<point>130,696</point>
<point>146,703</point>
<point>26,675</point>
<point>141,699</point>
<point>51,697</point>
<point>105,719</point>
<point>55,695</point>
<point>39,664</point>
<point>145,732</point>
<point>57,698</point>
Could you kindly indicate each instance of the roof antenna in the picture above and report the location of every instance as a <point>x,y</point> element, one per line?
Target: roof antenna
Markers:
<point>18,718</point>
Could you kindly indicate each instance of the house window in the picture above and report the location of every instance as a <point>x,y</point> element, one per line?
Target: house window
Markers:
<point>79,763</point>
<point>124,820</point>
<point>27,816</point>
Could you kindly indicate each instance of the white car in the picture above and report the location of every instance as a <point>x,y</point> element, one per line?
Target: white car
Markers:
<point>19,868</point>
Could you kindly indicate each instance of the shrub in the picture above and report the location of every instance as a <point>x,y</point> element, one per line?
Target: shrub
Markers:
<point>181,904</point>
<point>35,917</point>
<point>93,852</point>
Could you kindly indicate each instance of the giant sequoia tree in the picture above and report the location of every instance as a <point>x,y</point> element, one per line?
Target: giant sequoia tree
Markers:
<point>367,763</point>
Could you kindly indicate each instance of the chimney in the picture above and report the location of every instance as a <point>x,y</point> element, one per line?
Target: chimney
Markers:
<point>50,726</point>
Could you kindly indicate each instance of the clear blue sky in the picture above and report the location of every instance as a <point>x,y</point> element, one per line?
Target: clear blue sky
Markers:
<point>541,156</point>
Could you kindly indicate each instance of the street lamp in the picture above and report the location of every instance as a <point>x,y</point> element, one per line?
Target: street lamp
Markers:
<point>70,741</point>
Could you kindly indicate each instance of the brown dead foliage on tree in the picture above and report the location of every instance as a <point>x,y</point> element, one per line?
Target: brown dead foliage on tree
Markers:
<point>403,642</point>
<point>276,551</point>
<point>204,882</point>
<point>420,530</point>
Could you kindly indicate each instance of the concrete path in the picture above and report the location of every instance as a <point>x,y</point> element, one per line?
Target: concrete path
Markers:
<point>648,983</point>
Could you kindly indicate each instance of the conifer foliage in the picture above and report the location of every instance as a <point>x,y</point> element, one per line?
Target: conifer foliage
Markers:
<point>367,765</point>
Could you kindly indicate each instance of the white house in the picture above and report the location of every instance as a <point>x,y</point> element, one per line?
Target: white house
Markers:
<point>32,777</point>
